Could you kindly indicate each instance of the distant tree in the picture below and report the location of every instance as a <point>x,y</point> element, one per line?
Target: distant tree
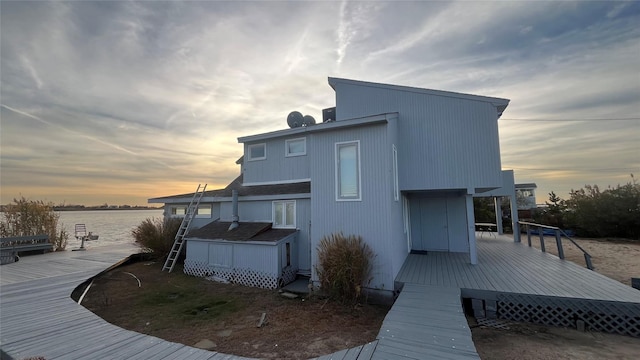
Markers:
<point>591,212</point>
<point>554,214</point>
<point>484,210</point>
<point>613,212</point>
<point>26,217</point>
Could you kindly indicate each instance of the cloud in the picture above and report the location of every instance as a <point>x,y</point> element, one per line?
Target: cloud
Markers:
<point>108,95</point>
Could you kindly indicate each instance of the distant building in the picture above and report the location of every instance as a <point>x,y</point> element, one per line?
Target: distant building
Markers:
<point>526,194</point>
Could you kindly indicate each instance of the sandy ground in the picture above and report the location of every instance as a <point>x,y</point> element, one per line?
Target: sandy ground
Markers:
<point>617,259</point>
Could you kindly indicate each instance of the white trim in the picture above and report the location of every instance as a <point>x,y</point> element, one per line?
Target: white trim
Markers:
<point>276,182</point>
<point>284,214</point>
<point>337,168</point>
<point>286,147</point>
<point>249,158</point>
<point>396,185</point>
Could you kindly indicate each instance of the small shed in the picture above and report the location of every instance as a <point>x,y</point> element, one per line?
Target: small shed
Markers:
<point>254,254</point>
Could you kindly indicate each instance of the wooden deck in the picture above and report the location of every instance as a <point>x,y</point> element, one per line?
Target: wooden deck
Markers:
<point>38,317</point>
<point>508,267</point>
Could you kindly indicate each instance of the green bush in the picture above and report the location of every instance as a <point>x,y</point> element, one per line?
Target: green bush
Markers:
<point>344,266</point>
<point>591,212</point>
<point>156,235</point>
<point>27,217</point>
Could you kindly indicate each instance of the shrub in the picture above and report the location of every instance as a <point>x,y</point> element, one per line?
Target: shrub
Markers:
<point>27,217</point>
<point>344,266</point>
<point>156,235</point>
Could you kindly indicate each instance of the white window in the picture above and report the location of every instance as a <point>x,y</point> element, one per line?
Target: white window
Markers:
<point>284,214</point>
<point>348,171</point>
<point>178,211</point>
<point>396,187</point>
<point>203,211</point>
<point>295,147</point>
<point>257,152</point>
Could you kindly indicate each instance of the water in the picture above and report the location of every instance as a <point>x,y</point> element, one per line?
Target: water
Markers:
<point>113,226</point>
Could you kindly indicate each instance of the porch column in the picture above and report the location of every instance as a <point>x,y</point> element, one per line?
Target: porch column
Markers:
<point>497,201</point>
<point>471,230</point>
<point>514,217</point>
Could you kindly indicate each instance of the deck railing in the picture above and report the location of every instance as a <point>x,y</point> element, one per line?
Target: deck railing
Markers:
<point>559,234</point>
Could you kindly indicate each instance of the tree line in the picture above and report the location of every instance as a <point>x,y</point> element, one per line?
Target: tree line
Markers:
<point>590,211</point>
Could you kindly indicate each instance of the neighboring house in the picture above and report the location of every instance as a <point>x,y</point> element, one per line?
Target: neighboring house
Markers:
<point>396,165</point>
<point>526,194</point>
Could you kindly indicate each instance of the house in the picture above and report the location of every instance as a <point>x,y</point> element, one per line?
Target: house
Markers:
<point>526,194</point>
<point>396,165</point>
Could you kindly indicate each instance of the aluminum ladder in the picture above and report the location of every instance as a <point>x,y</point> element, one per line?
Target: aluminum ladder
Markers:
<point>184,228</point>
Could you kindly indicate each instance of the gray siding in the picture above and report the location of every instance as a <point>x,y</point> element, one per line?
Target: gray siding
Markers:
<point>447,142</point>
<point>377,218</point>
<point>262,211</point>
<point>276,167</point>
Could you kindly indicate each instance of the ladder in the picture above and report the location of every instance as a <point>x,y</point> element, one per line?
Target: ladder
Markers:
<point>184,228</point>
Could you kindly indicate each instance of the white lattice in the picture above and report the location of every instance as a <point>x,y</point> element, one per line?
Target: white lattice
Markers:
<point>605,316</point>
<point>246,277</point>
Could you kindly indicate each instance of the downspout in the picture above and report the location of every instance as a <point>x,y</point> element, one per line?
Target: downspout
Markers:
<point>234,206</point>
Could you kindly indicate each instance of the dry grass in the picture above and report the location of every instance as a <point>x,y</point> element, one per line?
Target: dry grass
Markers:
<point>186,309</point>
<point>156,235</point>
<point>344,266</point>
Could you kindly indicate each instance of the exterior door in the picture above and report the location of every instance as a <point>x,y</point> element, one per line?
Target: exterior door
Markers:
<point>438,224</point>
<point>429,228</point>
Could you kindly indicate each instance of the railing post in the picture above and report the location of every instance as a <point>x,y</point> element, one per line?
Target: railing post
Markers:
<point>541,233</point>
<point>528,234</point>
<point>587,259</point>
<point>559,244</point>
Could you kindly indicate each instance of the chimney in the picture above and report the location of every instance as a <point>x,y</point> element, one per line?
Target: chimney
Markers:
<point>234,206</point>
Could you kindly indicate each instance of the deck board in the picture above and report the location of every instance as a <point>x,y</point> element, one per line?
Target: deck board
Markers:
<point>505,266</point>
<point>39,318</point>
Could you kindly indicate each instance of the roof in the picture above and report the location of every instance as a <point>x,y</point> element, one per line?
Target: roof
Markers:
<point>526,186</point>
<point>323,126</point>
<point>247,231</point>
<point>499,103</point>
<point>255,190</point>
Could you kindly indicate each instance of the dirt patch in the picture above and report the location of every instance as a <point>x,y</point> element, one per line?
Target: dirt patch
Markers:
<point>537,342</point>
<point>187,310</point>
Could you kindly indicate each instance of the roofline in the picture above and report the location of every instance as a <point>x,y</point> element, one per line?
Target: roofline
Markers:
<point>213,199</point>
<point>499,103</point>
<point>325,126</point>
<point>526,186</point>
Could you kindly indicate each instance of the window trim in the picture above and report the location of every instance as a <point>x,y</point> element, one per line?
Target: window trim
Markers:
<point>338,145</point>
<point>396,185</point>
<point>249,147</point>
<point>286,147</point>
<point>284,214</point>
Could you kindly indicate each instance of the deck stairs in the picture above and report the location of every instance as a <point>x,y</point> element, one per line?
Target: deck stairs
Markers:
<point>190,213</point>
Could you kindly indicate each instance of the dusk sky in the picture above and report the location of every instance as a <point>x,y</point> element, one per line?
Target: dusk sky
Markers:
<point>117,102</point>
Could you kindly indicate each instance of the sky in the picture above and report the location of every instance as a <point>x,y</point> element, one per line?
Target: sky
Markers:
<point>117,102</point>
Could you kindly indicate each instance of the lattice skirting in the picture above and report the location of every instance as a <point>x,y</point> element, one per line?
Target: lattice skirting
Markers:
<point>604,316</point>
<point>7,257</point>
<point>246,277</point>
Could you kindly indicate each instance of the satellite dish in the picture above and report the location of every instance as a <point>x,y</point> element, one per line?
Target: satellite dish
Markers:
<point>295,119</point>
<point>308,120</point>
